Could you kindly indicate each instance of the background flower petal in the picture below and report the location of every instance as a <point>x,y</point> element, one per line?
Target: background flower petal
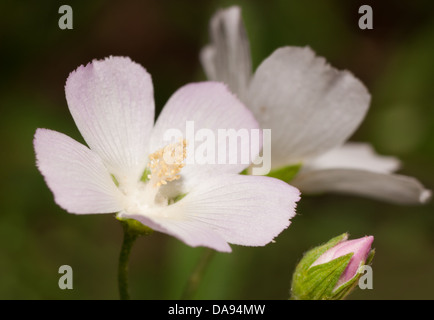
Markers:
<point>112,104</point>
<point>354,155</point>
<point>238,209</point>
<point>310,106</point>
<point>212,107</point>
<point>382,186</point>
<point>75,174</point>
<point>227,58</point>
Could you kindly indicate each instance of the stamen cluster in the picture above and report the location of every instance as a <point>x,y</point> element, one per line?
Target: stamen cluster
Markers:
<point>167,162</point>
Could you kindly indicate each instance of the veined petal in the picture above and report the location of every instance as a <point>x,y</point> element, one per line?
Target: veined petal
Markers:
<point>382,186</point>
<point>112,104</point>
<point>238,209</point>
<point>227,58</point>
<point>188,231</point>
<point>204,113</point>
<point>354,155</point>
<point>310,106</point>
<point>75,174</point>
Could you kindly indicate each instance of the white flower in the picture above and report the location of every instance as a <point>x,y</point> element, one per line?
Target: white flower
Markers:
<point>312,110</point>
<point>112,104</point>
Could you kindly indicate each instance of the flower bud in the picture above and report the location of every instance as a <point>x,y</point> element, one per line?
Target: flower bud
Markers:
<point>331,271</point>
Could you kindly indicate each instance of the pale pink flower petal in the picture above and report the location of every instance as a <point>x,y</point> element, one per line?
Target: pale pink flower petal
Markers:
<point>382,186</point>
<point>112,104</point>
<point>212,108</point>
<point>354,155</point>
<point>227,58</point>
<point>76,175</point>
<point>355,168</point>
<point>310,106</point>
<point>238,209</point>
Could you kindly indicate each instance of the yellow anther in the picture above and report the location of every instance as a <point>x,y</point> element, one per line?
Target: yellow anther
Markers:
<point>166,163</point>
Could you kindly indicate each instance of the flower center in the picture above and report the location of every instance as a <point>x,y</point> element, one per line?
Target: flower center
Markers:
<point>166,163</point>
<point>164,166</point>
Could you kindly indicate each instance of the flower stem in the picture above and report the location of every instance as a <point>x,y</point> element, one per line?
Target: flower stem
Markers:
<point>197,275</point>
<point>132,230</point>
<point>129,239</point>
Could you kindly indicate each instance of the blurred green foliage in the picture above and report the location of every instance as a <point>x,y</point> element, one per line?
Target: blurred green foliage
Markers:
<point>395,60</point>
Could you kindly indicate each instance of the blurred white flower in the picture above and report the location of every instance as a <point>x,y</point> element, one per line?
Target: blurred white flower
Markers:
<point>312,110</point>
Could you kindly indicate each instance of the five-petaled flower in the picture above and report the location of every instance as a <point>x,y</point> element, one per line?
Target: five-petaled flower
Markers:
<point>312,109</point>
<point>124,170</point>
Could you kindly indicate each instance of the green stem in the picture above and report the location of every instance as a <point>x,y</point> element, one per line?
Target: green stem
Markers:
<point>129,239</point>
<point>197,275</point>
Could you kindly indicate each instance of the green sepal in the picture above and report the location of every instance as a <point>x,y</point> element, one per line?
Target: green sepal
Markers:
<point>345,289</point>
<point>303,287</point>
<point>145,174</point>
<point>177,198</point>
<point>115,180</point>
<point>313,254</point>
<point>319,281</point>
<point>245,172</point>
<point>135,227</point>
<point>286,173</point>
<point>370,257</point>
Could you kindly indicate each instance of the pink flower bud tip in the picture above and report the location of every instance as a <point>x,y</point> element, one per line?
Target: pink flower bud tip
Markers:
<point>360,247</point>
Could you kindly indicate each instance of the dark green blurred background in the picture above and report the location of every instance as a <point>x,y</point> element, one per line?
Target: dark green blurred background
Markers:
<point>395,60</point>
